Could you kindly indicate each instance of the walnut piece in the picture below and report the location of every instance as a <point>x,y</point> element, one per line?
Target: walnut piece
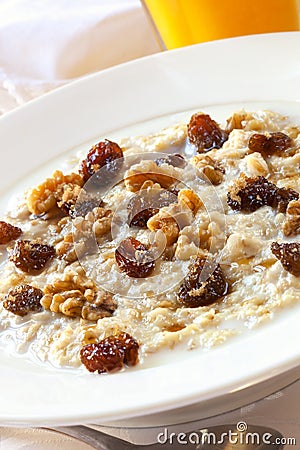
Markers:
<point>291,226</point>
<point>49,193</point>
<point>97,221</point>
<point>166,223</point>
<point>76,296</point>
<point>236,121</point>
<point>187,197</point>
<point>66,249</point>
<point>137,175</point>
<point>208,167</point>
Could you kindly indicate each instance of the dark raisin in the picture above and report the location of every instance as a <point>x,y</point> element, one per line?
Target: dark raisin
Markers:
<point>249,194</point>
<point>205,133</point>
<point>23,299</point>
<point>283,197</point>
<point>31,257</point>
<point>110,354</point>
<point>204,284</point>
<point>146,203</point>
<point>289,256</point>
<point>134,258</point>
<point>275,144</point>
<point>259,143</point>
<point>105,154</point>
<point>130,347</point>
<point>104,356</point>
<point>8,232</point>
<point>175,160</point>
<point>140,218</point>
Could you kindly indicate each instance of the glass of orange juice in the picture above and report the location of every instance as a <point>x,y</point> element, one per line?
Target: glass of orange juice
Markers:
<point>185,22</point>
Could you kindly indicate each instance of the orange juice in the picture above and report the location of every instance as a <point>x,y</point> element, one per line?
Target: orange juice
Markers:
<point>185,22</point>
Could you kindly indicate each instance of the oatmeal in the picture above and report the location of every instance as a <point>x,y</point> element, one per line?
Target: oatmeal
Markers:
<point>144,246</point>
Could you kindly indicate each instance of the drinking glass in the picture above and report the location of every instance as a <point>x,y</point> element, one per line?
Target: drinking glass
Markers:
<point>185,22</point>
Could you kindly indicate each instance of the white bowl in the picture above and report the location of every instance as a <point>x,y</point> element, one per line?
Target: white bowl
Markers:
<point>263,69</point>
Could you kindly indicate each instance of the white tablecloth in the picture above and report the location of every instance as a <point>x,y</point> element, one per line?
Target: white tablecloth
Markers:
<point>47,43</point>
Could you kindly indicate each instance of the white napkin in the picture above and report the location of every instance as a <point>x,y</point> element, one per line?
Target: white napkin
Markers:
<point>44,43</point>
<point>61,39</point>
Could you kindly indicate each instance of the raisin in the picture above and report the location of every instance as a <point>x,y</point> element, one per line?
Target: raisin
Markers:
<point>23,299</point>
<point>146,204</point>
<point>283,197</point>
<point>289,256</point>
<point>129,347</point>
<point>134,258</point>
<point>195,292</point>
<point>110,354</point>
<point>275,144</point>
<point>105,154</point>
<point>8,232</point>
<point>279,143</point>
<point>175,160</point>
<point>249,194</point>
<point>140,218</point>
<point>31,257</point>
<point>205,133</point>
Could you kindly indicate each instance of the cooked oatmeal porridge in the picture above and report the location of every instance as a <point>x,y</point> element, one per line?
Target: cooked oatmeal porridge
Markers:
<point>144,246</point>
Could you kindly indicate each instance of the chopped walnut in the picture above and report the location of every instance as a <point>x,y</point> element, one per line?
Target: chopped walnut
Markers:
<point>166,223</point>
<point>77,202</point>
<point>236,121</point>
<point>262,121</point>
<point>186,248</point>
<point>66,249</point>
<point>97,221</point>
<point>69,198</point>
<point>81,241</point>
<point>291,226</point>
<point>211,233</point>
<point>49,193</point>
<point>76,296</point>
<point>137,175</point>
<point>210,168</point>
<point>186,197</point>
